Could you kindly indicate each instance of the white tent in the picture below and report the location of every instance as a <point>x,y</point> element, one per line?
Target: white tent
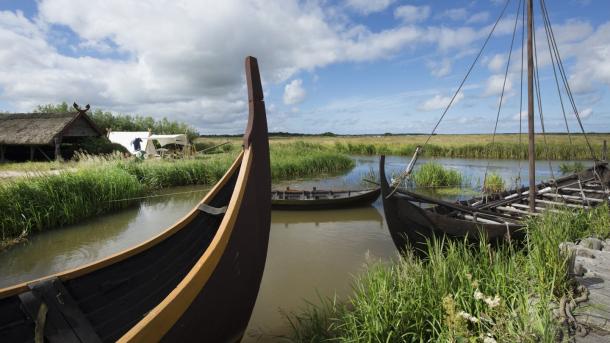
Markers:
<point>164,140</point>
<point>126,139</point>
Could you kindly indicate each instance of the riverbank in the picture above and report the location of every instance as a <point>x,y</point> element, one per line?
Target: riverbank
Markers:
<point>462,292</point>
<point>506,146</point>
<point>97,185</point>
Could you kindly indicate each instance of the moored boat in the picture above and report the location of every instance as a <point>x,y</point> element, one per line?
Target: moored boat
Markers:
<point>196,281</point>
<point>413,218</point>
<point>322,199</point>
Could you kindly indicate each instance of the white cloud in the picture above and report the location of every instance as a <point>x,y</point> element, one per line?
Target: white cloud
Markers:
<point>497,62</point>
<point>494,85</point>
<point>412,14</point>
<point>522,116</point>
<point>294,92</point>
<point>368,6</point>
<point>441,68</point>
<point>455,14</point>
<point>181,60</point>
<point>439,102</point>
<point>479,17</point>
<point>586,113</point>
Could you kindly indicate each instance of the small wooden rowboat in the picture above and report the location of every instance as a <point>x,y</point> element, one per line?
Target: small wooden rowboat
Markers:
<point>196,281</point>
<point>322,199</point>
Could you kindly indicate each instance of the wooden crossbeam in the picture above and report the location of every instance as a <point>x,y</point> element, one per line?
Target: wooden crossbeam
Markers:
<point>563,204</point>
<point>572,197</point>
<point>514,210</point>
<point>540,209</point>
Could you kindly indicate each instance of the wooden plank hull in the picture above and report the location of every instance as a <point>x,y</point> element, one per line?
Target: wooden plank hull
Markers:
<point>196,281</point>
<point>307,201</point>
<point>412,218</point>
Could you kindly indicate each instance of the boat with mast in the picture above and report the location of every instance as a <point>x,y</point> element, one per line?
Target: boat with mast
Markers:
<point>413,218</point>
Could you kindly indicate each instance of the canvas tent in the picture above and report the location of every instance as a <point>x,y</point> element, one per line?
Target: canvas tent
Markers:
<point>179,139</point>
<point>126,139</point>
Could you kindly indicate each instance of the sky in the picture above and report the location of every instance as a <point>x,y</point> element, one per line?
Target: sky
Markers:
<point>348,67</point>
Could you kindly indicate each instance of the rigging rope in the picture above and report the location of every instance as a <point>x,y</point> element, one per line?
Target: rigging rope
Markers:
<point>552,55</point>
<point>160,195</point>
<point>539,100</point>
<point>564,78</point>
<point>510,52</point>
<point>402,177</point>
<point>518,181</point>
<point>468,73</point>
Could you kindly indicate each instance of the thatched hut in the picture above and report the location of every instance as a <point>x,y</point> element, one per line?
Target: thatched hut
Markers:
<point>40,132</point>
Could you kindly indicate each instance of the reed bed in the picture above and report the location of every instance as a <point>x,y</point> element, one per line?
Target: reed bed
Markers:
<point>36,203</point>
<point>305,159</point>
<point>433,175</point>
<point>99,184</point>
<point>506,146</point>
<point>462,292</point>
<point>555,151</point>
<point>494,183</point>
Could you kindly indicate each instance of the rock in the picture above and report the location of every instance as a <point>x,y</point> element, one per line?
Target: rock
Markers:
<point>591,243</point>
<point>583,252</point>
<point>606,246</point>
<point>579,269</point>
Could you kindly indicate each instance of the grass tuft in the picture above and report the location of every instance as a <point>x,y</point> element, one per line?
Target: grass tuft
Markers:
<point>432,174</point>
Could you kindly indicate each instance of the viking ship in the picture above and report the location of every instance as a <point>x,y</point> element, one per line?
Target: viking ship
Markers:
<point>197,281</point>
<point>413,218</point>
<point>317,199</point>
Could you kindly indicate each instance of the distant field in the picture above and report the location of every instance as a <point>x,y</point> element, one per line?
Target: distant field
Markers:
<point>466,146</point>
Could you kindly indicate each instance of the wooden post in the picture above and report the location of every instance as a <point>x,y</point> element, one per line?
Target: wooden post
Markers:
<point>57,141</point>
<point>605,151</point>
<point>31,152</point>
<point>530,108</point>
<point>1,153</point>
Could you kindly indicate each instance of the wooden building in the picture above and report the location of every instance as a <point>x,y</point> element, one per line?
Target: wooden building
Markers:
<point>42,133</point>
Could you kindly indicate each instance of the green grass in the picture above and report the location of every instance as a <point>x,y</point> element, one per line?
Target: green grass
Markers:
<point>569,168</point>
<point>433,174</point>
<point>300,159</point>
<point>460,293</point>
<point>506,146</point>
<point>98,184</point>
<point>36,203</point>
<point>494,183</point>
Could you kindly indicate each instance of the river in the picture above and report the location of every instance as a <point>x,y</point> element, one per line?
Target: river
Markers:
<point>311,254</point>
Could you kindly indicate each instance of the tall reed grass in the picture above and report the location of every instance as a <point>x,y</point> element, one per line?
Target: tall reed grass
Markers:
<point>460,293</point>
<point>494,183</point>
<point>101,184</point>
<point>554,151</point>
<point>433,174</point>
<point>36,203</point>
<point>306,159</point>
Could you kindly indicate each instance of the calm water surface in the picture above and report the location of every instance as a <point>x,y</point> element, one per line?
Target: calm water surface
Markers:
<point>311,254</point>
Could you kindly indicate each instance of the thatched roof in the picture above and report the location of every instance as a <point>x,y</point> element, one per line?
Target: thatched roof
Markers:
<point>41,128</point>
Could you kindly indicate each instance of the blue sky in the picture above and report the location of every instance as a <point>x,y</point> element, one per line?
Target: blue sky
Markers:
<point>350,66</point>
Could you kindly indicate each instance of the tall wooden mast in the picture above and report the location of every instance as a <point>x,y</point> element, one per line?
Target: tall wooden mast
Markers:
<point>530,107</point>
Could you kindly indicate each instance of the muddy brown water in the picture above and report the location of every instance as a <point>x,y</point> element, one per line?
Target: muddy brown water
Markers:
<point>312,254</point>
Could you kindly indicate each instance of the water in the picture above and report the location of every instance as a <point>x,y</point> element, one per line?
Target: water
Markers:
<point>311,254</point>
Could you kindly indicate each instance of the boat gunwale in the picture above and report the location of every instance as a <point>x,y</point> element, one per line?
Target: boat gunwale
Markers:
<point>131,251</point>
<point>160,319</point>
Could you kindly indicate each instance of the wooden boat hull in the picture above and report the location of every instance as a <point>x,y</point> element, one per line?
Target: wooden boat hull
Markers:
<point>196,281</point>
<point>411,225</point>
<point>359,198</point>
